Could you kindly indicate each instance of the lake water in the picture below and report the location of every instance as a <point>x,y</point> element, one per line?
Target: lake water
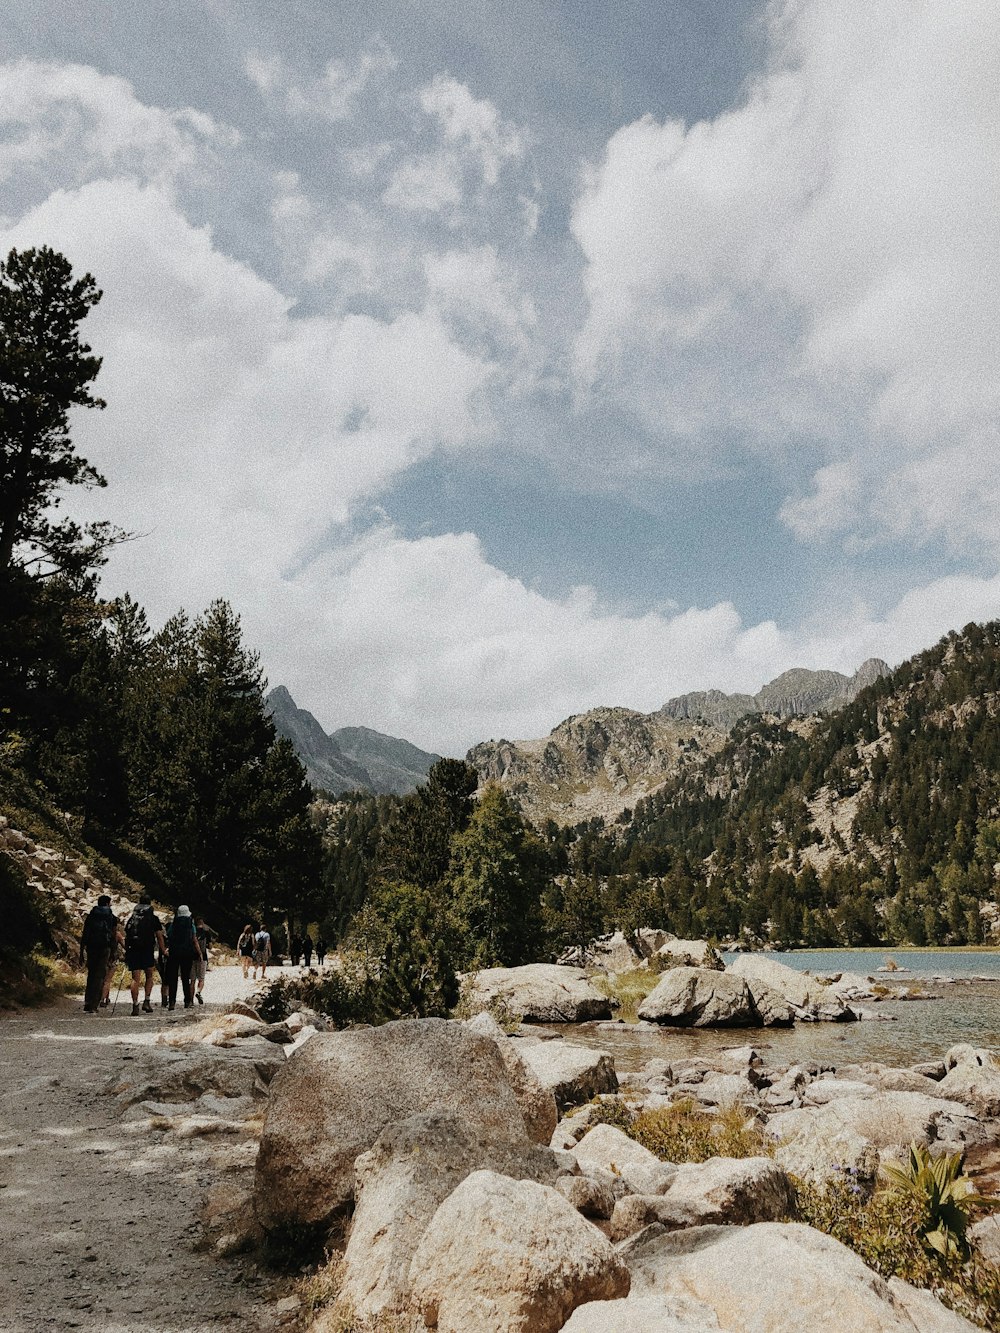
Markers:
<point>965,1006</point>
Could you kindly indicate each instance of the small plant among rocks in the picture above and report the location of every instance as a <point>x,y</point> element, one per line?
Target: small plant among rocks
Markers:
<point>686,1132</point>
<point>945,1195</point>
<point>626,990</point>
<point>506,1016</point>
<point>891,1230</point>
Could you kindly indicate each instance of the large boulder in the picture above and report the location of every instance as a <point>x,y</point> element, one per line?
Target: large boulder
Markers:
<point>811,1001</point>
<point>538,1104</point>
<point>687,953</point>
<point>700,997</point>
<point>510,1256</point>
<point>643,1314</point>
<point>539,992</point>
<point>608,1148</point>
<point>332,1101</point>
<point>164,1074</point>
<point>778,1277</point>
<point>725,1190</point>
<point>820,1148</point>
<point>888,1120</point>
<point>570,1073</point>
<point>973,1077</point>
<point>401,1181</point>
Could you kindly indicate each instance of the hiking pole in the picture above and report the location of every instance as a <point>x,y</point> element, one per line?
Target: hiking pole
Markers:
<point>121,983</point>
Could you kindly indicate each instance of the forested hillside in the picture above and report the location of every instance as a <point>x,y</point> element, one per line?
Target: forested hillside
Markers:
<point>876,823</point>
<point>150,748</point>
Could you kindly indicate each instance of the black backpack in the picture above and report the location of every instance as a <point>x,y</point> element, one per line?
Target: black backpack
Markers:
<point>182,934</point>
<point>99,929</point>
<point>139,930</point>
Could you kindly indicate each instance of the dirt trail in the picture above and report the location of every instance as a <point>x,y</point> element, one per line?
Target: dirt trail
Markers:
<point>97,1216</point>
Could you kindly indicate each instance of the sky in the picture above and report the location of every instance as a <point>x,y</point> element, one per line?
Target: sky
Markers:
<point>497,362</point>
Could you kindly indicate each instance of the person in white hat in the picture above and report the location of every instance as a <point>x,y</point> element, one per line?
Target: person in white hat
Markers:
<point>182,951</point>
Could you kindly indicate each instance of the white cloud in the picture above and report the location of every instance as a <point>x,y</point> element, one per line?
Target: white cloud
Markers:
<point>472,123</point>
<point>819,262</point>
<point>73,119</point>
<point>333,95</point>
<point>236,433</point>
<point>474,144</point>
<point>426,638</point>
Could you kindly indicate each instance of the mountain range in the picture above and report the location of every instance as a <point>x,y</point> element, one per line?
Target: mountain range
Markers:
<point>601,762</point>
<point>351,758</point>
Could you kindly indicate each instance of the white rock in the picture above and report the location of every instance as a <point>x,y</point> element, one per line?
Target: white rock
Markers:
<point>401,1181</point>
<point>699,997</point>
<point>612,1150</point>
<point>538,1101</point>
<point>540,993</point>
<point>506,1256</point>
<point>724,1190</point>
<point>567,1072</point>
<point>643,1314</point>
<point>778,1278</point>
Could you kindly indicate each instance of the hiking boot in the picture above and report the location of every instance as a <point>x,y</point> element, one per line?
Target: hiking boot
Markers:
<point>135,1011</point>
<point>147,1008</point>
<point>188,1004</point>
<point>199,999</point>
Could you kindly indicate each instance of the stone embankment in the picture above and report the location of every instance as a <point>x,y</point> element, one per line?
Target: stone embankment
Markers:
<point>470,1181</point>
<point>696,989</point>
<point>418,1148</point>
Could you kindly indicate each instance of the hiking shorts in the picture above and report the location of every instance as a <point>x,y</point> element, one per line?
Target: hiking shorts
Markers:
<point>259,958</point>
<point>139,960</point>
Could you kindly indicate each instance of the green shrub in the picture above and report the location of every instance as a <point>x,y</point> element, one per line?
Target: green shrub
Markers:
<point>626,990</point>
<point>944,1193</point>
<point>886,1229</point>
<point>685,1132</point>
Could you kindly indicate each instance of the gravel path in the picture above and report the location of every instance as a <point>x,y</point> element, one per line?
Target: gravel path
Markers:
<point>98,1217</point>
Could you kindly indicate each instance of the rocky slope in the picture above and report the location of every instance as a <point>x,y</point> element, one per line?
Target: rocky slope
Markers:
<point>602,762</point>
<point>793,692</point>
<point>394,766</point>
<point>351,759</point>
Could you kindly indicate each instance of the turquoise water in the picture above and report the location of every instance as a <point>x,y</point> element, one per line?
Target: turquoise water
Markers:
<point>964,1005</point>
<point>920,963</point>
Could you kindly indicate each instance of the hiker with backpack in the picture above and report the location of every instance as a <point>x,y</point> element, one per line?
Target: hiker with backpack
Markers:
<point>261,952</point>
<point>97,943</point>
<point>143,932</point>
<point>182,950</point>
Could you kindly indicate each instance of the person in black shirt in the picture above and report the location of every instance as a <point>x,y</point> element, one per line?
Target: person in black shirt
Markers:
<point>143,932</point>
<point>100,931</point>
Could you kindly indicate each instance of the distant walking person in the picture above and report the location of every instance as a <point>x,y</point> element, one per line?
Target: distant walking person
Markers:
<point>200,965</point>
<point>244,947</point>
<point>96,945</point>
<point>320,950</point>
<point>182,950</point>
<point>294,950</point>
<point>307,949</point>
<point>143,932</point>
<point>261,953</point>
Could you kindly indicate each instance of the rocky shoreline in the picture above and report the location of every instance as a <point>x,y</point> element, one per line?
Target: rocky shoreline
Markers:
<point>465,1178</point>
<point>470,1180</point>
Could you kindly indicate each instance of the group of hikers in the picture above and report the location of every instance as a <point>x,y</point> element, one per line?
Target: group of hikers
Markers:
<point>178,952</point>
<point>255,950</point>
